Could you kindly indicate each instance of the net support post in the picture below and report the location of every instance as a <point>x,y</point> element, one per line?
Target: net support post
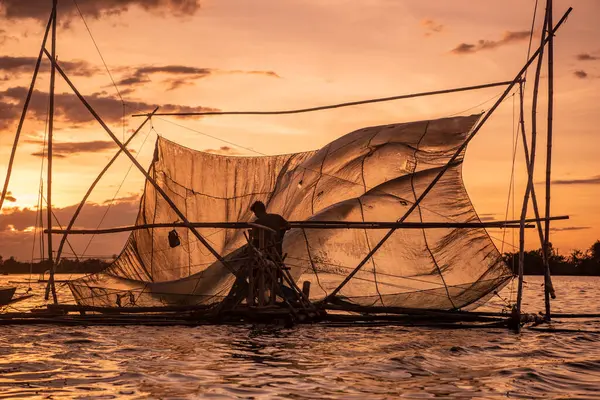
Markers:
<point>24,111</point>
<point>530,170</point>
<point>51,284</point>
<point>548,287</point>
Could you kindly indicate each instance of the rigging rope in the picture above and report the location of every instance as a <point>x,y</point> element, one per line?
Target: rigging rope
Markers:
<point>535,11</point>
<point>98,50</point>
<point>339,105</point>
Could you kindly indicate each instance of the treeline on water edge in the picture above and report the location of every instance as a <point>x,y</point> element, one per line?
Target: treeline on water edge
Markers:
<point>577,263</point>
<point>70,266</point>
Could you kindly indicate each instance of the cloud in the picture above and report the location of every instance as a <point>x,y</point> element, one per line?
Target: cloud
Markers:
<point>69,109</point>
<point>272,74</point>
<point>16,233</point>
<point>581,74</point>
<point>9,197</point>
<point>508,37</point>
<point>5,37</point>
<point>487,217</point>
<point>570,228</point>
<point>595,180</point>
<point>175,76</point>
<point>431,27</point>
<point>587,57</point>
<point>67,11</point>
<point>141,75</point>
<point>132,197</point>
<point>224,151</point>
<point>15,66</point>
<point>65,149</point>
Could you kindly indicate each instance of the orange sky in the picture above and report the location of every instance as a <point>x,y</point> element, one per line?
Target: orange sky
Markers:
<point>270,54</point>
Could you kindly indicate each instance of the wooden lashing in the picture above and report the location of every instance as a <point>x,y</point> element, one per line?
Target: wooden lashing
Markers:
<point>265,289</point>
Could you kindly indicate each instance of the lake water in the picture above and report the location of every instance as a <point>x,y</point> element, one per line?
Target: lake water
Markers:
<point>308,362</point>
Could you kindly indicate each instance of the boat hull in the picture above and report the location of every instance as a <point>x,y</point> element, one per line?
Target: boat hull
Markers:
<point>6,295</point>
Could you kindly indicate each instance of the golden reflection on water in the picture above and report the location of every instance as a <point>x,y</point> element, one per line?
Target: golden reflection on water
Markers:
<point>306,362</point>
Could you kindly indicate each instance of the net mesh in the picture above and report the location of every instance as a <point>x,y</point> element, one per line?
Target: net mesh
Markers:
<point>372,174</point>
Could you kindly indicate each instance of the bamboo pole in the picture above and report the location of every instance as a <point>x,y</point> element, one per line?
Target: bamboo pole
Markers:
<point>450,162</point>
<point>93,185</point>
<point>50,133</point>
<point>24,112</point>
<point>548,287</point>
<point>536,210</point>
<point>140,168</point>
<point>530,172</point>
<point>348,104</point>
<point>306,225</point>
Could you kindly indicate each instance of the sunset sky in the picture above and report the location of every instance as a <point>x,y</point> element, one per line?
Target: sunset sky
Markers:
<point>194,55</point>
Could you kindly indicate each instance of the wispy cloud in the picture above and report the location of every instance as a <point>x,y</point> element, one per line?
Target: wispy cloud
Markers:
<point>175,76</point>
<point>224,151</point>
<point>15,66</point>
<point>587,57</point>
<point>131,198</point>
<point>6,37</point>
<point>431,27</point>
<point>16,233</point>
<point>595,180</point>
<point>570,228</point>
<point>489,217</point>
<point>9,197</point>
<point>581,74</point>
<point>65,149</point>
<point>508,37</point>
<point>68,107</point>
<point>40,9</point>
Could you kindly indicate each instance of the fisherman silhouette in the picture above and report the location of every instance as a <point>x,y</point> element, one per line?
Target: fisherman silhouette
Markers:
<point>273,221</point>
<point>265,240</point>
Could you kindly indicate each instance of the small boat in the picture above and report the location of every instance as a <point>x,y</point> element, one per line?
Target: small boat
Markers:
<point>6,295</point>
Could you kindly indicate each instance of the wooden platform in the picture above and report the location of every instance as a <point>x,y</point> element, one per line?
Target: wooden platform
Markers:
<point>244,315</point>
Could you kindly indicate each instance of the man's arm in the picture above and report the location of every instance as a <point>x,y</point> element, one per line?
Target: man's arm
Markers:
<point>285,224</point>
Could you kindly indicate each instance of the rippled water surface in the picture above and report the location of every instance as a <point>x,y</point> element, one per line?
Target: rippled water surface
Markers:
<point>309,361</point>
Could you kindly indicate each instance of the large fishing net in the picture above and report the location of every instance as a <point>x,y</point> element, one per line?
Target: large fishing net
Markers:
<point>372,174</point>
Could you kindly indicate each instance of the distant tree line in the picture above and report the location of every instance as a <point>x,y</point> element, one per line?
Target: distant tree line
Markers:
<point>577,263</point>
<point>70,266</point>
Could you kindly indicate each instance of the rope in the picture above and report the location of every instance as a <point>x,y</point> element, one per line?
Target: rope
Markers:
<point>339,105</point>
<point>535,10</point>
<point>98,50</point>
<point>210,136</point>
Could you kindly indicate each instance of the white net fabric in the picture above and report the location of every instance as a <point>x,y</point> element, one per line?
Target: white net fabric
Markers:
<point>372,174</point>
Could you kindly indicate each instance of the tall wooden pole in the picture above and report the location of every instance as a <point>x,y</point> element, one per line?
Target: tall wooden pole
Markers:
<point>530,171</point>
<point>534,202</point>
<point>548,289</point>
<point>50,130</point>
<point>24,113</point>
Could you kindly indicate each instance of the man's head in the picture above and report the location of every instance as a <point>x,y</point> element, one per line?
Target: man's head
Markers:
<point>258,208</point>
